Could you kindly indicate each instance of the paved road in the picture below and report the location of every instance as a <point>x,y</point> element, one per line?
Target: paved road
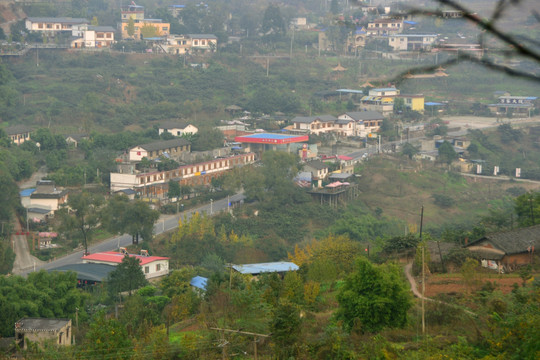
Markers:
<point>165,223</point>
<point>23,260</point>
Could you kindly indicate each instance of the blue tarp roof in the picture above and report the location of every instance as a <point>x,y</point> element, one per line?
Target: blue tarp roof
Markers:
<point>270,136</point>
<point>433,104</point>
<point>255,269</point>
<point>26,192</point>
<point>199,282</point>
<point>409,22</point>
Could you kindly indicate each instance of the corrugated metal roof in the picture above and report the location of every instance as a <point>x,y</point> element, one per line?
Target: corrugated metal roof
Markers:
<point>91,272</point>
<point>199,282</point>
<point>271,267</point>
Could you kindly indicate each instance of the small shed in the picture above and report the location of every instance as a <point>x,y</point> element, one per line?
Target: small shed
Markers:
<point>39,330</point>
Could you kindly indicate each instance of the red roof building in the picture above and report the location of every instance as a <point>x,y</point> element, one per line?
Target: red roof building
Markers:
<point>152,266</point>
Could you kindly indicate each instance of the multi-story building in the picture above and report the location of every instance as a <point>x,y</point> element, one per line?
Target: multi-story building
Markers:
<point>380,27</point>
<point>171,148</point>
<point>135,13</point>
<point>411,42</point>
<point>52,24</point>
<point>88,36</point>
<point>155,183</point>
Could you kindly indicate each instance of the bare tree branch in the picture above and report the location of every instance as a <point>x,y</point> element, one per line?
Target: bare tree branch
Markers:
<point>466,57</point>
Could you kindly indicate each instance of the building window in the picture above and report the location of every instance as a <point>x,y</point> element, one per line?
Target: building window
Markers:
<point>147,269</point>
<point>158,267</point>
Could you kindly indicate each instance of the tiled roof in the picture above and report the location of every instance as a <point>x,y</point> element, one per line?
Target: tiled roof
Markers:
<point>365,115</point>
<point>513,241</point>
<point>62,20</point>
<point>310,119</point>
<point>17,129</point>
<point>167,144</point>
<point>40,324</point>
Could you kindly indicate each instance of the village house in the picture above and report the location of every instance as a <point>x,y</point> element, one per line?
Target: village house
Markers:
<point>18,133</point>
<point>411,42</point>
<point>88,36</point>
<point>40,330</point>
<point>74,139</point>
<point>52,25</point>
<point>381,100</point>
<point>314,124</point>
<point>318,170</point>
<point>366,122</point>
<point>152,266</point>
<point>414,102</point>
<point>135,13</point>
<point>48,197</point>
<point>177,129</point>
<point>379,27</point>
<point>506,251</point>
<point>169,148</point>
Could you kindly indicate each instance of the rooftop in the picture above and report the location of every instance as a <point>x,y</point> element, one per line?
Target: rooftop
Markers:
<point>310,119</point>
<point>513,241</point>
<point>17,129</point>
<point>40,324</point>
<point>87,272</point>
<point>259,268</point>
<point>62,20</point>
<point>167,144</point>
<point>365,115</point>
<point>116,257</point>
<point>199,282</point>
<point>268,138</point>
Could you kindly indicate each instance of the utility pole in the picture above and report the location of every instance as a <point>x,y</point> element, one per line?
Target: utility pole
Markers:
<point>423,275</point>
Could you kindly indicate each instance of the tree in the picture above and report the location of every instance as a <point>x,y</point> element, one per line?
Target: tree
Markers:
<point>131,27</point>
<point>174,190</point>
<point>285,329</point>
<point>82,215</point>
<point>273,23</point>
<point>373,297</point>
<point>107,339</point>
<point>132,217</point>
<point>149,31</point>
<point>127,276</point>
<point>527,209</point>
<point>409,150</point>
<point>447,154</point>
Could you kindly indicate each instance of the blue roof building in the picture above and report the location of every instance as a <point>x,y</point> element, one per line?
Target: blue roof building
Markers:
<point>271,267</point>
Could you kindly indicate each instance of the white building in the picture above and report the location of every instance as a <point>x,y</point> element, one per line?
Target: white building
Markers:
<point>177,129</point>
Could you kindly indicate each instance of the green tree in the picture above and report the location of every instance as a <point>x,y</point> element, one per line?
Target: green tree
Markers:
<point>148,31</point>
<point>131,27</point>
<point>127,276</point>
<point>136,217</point>
<point>527,207</point>
<point>447,154</point>
<point>174,190</point>
<point>409,150</point>
<point>373,297</point>
<point>82,215</point>
<point>107,339</point>
<point>273,23</point>
<point>285,327</point>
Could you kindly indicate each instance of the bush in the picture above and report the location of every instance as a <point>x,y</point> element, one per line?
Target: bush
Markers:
<point>442,200</point>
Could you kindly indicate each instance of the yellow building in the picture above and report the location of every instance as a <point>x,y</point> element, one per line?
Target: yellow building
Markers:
<point>413,102</point>
<point>161,28</point>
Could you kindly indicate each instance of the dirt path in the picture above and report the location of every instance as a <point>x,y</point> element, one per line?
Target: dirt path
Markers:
<point>31,182</point>
<point>414,289</point>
